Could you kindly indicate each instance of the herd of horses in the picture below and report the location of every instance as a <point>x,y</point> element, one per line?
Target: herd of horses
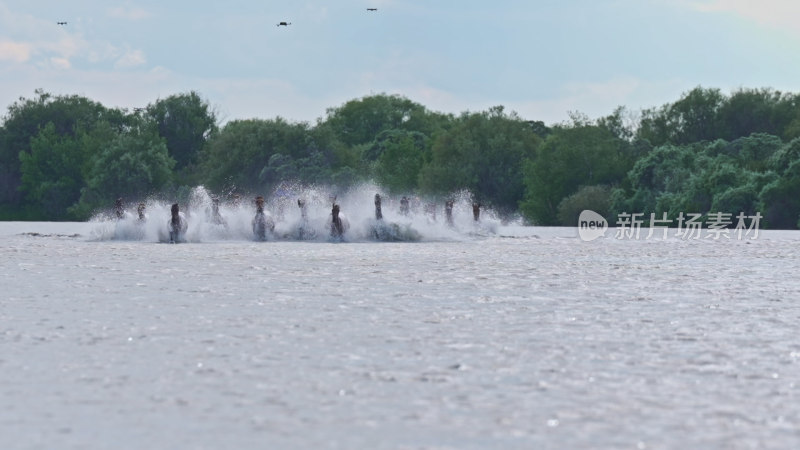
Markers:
<point>263,225</point>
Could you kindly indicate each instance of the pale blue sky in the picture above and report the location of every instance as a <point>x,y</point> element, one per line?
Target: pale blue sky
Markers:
<point>541,59</point>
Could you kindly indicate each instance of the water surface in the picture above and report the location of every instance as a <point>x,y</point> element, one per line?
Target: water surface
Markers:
<point>525,338</point>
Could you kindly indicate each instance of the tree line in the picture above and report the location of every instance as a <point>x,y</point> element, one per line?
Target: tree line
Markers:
<point>63,157</point>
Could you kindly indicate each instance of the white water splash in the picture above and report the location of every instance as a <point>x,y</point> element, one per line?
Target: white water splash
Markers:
<point>425,220</point>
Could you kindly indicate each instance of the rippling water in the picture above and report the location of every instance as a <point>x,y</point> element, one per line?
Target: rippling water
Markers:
<point>526,338</point>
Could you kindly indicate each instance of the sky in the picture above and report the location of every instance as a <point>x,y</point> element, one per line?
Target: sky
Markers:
<point>542,59</point>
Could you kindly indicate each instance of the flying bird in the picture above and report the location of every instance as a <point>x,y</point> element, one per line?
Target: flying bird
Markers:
<point>284,24</point>
<point>372,9</point>
<point>61,23</point>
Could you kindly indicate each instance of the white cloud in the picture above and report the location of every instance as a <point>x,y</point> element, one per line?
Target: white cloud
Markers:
<point>66,46</point>
<point>122,89</point>
<point>782,14</point>
<point>260,98</point>
<point>315,13</point>
<point>131,58</point>
<point>29,39</point>
<point>15,51</point>
<point>121,12</point>
<point>598,99</point>
<point>39,42</point>
<point>60,63</point>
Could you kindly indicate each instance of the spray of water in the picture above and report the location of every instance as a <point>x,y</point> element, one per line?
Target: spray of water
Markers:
<point>302,213</point>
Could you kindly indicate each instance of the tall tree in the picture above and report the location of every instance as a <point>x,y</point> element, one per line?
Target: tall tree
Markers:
<point>134,165</point>
<point>398,157</point>
<point>239,153</point>
<point>360,121</point>
<point>483,153</point>
<point>186,122</point>
<point>570,158</point>
<point>749,111</point>
<point>23,122</point>
<point>692,118</point>
<point>780,198</point>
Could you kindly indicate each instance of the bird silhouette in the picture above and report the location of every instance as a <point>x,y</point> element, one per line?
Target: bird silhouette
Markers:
<point>61,23</point>
<point>372,9</point>
<point>284,24</point>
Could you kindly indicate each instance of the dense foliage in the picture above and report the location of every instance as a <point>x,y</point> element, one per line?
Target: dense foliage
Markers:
<point>63,157</point>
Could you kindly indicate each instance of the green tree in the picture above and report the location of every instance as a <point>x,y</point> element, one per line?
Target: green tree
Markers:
<point>186,122</point>
<point>699,178</point>
<point>596,198</point>
<point>709,178</point>
<point>483,153</point>
<point>749,111</point>
<point>23,122</point>
<point>236,156</point>
<point>52,172</point>
<point>742,198</point>
<point>571,157</point>
<point>784,156</point>
<point>360,121</point>
<point>398,157</point>
<point>780,199</point>
<point>260,154</point>
<point>752,152</point>
<point>693,118</point>
<point>135,164</point>
<point>619,123</point>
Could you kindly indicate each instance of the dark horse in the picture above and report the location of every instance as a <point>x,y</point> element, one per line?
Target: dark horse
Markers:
<point>476,211</point>
<point>261,222</point>
<point>378,212</point>
<point>339,223</point>
<point>337,228</point>
<point>448,211</point>
<point>119,209</point>
<point>383,231</point>
<point>177,225</point>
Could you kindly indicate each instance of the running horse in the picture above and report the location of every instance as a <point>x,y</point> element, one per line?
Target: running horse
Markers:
<point>404,208</point>
<point>177,225</point>
<point>216,216</point>
<point>448,211</point>
<point>339,223</point>
<point>378,211</point>
<point>119,209</point>
<point>304,229</point>
<point>262,223</point>
<point>476,211</point>
<point>388,231</point>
